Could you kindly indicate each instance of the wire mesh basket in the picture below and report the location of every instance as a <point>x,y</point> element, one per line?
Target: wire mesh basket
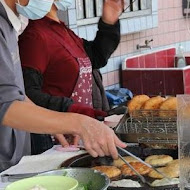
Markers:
<point>148,126</point>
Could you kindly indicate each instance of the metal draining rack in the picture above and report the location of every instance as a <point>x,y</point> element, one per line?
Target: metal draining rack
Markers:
<point>149,126</point>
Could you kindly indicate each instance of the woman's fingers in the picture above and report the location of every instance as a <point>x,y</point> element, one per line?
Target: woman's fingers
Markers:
<point>89,149</point>
<point>119,143</point>
<point>105,148</point>
<point>112,10</point>
<point>76,140</point>
<point>99,149</point>
<point>62,140</point>
<point>98,138</point>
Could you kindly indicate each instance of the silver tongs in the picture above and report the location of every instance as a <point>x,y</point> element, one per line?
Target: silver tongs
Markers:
<point>140,160</point>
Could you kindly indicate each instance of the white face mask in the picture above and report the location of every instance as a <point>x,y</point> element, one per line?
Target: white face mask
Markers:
<point>36,9</point>
<point>63,5</point>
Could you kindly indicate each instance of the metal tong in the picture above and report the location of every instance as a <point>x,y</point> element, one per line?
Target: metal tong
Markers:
<point>140,160</point>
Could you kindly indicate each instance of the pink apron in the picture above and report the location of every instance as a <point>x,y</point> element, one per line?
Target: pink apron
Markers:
<point>82,92</point>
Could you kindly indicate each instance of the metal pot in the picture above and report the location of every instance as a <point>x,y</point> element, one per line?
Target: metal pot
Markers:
<point>94,179</point>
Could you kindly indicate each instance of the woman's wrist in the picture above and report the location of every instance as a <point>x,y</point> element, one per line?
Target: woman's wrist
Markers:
<point>104,23</point>
<point>109,22</point>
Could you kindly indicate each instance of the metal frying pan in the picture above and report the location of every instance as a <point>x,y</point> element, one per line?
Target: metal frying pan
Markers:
<point>87,161</point>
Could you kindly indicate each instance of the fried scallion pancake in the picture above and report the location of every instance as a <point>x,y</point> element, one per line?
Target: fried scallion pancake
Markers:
<point>138,166</point>
<point>158,160</point>
<point>110,171</point>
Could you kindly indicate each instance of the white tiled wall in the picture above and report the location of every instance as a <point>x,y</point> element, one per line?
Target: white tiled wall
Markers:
<point>131,25</point>
<point>128,26</point>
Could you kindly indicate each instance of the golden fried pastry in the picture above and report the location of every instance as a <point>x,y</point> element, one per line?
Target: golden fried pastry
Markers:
<point>155,174</point>
<point>168,104</point>
<point>153,103</point>
<point>110,171</point>
<point>137,102</point>
<point>173,164</point>
<point>158,160</point>
<point>169,172</point>
<point>138,166</point>
<point>118,163</point>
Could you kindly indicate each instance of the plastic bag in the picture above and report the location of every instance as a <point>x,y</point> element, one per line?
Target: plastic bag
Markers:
<point>118,96</point>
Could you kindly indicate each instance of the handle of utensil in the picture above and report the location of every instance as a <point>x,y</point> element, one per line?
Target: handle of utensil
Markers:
<point>15,177</point>
<point>118,110</point>
<point>137,158</point>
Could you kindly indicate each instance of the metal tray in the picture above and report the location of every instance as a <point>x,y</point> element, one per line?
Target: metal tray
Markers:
<point>147,126</point>
<point>87,161</point>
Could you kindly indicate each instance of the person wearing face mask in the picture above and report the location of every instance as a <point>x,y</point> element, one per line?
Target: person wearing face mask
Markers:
<point>57,64</point>
<point>19,116</point>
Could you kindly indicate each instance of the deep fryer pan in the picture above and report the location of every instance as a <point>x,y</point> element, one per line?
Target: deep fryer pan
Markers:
<point>87,161</point>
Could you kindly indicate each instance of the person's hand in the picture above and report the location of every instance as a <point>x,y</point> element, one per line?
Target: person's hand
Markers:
<point>112,9</point>
<point>99,139</point>
<point>85,110</point>
<point>67,140</point>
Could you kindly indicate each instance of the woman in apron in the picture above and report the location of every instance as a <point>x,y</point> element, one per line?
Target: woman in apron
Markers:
<point>57,64</point>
